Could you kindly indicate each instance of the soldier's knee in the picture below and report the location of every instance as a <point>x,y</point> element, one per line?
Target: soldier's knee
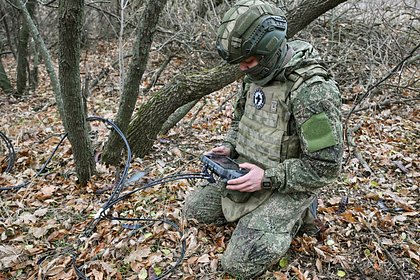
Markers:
<point>204,207</point>
<point>242,270</point>
<point>251,252</point>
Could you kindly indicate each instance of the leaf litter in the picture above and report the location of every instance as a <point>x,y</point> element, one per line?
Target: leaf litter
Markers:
<point>373,234</point>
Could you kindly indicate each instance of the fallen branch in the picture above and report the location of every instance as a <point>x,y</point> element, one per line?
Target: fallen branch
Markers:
<point>198,112</point>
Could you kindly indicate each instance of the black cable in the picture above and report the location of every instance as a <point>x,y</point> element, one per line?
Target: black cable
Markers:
<point>164,180</point>
<point>103,211</point>
<point>118,188</point>
<point>114,197</point>
<point>24,184</point>
<point>11,152</point>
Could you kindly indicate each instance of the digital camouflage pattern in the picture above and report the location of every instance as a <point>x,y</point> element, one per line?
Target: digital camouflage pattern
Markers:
<point>310,169</point>
<point>314,129</point>
<point>243,32</point>
<point>264,234</point>
<point>261,237</point>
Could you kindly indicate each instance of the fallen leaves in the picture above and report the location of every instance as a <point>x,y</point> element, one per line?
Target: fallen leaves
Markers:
<point>49,216</point>
<point>9,256</point>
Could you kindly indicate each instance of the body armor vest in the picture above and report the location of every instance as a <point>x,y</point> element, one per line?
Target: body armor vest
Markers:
<point>266,134</point>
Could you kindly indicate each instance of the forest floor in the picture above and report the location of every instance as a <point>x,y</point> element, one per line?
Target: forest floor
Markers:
<point>376,235</point>
<point>370,215</point>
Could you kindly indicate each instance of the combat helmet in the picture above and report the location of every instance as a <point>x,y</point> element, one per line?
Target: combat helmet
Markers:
<point>253,28</point>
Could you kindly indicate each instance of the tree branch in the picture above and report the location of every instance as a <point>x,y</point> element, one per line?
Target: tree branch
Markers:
<point>185,87</point>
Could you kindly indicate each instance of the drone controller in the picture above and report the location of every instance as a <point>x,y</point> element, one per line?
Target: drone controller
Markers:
<point>223,166</point>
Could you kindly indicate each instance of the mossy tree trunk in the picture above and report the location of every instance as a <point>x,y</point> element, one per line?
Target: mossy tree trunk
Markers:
<point>182,89</point>
<point>185,88</point>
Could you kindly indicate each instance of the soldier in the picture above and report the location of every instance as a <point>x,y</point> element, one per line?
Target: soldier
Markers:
<point>286,131</point>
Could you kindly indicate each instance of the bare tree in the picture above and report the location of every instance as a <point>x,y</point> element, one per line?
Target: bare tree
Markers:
<point>146,30</point>
<point>44,54</point>
<point>5,84</point>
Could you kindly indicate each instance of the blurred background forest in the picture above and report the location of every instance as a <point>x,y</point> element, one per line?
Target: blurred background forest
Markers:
<point>371,215</point>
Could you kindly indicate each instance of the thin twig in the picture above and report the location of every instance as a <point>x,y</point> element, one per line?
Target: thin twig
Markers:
<point>104,72</point>
<point>397,68</point>
<point>387,253</point>
<point>157,74</point>
<point>356,151</point>
<point>386,103</point>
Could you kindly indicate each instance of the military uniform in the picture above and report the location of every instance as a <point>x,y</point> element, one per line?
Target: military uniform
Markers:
<point>291,128</point>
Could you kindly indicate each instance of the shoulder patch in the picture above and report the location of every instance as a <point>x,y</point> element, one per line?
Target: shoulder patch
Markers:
<point>318,133</point>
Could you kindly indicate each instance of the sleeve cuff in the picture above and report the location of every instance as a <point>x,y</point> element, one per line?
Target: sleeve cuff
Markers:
<point>276,177</point>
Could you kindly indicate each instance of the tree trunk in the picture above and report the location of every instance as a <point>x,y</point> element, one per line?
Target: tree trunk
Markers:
<point>185,88</point>
<point>182,89</point>
<point>45,56</point>
<point>5,84</point>
<point>70,27</point>
<point>146,30</point>
<point>22,69</point>
<point>308,11</point>
<point>177,116</point>
<point>6,12</point>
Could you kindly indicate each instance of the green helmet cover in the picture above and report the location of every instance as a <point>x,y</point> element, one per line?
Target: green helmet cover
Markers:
<point>252,28</point>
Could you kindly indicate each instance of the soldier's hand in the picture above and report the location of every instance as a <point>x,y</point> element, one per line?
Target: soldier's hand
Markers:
<point>250,182</point>
<point>221,151</point>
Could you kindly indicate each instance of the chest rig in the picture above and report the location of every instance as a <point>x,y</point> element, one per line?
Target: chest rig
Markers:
<point>266,134</point>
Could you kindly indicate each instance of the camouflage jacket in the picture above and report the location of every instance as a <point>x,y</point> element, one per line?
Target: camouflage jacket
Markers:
<point>315,119</point>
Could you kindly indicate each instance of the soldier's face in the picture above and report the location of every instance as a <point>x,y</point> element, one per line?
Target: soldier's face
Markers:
<point>248,63</point>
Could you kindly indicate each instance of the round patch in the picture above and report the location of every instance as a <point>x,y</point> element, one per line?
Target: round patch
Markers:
<point>259,99</point>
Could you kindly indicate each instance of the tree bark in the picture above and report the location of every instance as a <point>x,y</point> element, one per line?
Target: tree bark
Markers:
<point>70,27</point>
<point>5,84</point>
<point>22,69</point>
<point>177,116</point>
<point>185,88</point>
<point>146,30</point>
<point>45,55</point>
<point>182,89</point>
<point>308,11</point>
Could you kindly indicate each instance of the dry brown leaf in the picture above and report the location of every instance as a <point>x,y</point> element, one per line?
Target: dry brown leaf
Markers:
<point>279,275</point>
<point>204,259</point>
<point>55,270</point>
<point>138,254</point>
<point>318,264</point>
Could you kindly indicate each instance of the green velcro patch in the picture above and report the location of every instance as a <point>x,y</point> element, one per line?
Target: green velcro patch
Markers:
<point>318,133</point>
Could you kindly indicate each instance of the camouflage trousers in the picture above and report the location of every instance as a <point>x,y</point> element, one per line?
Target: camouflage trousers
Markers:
<point>261,237</point>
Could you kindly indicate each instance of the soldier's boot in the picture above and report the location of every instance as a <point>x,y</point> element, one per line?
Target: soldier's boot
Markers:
<point>311,225</point>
